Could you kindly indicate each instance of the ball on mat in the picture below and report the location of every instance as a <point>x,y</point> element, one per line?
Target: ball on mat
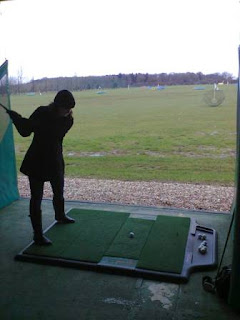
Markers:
<point>202,236</point>
<point>202,249</point>
<point>131,234</point>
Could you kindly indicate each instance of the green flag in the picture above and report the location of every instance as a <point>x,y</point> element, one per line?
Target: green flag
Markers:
<point>8,175</point>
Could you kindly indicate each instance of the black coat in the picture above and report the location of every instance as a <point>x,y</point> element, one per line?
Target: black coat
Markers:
<point>44,158</point>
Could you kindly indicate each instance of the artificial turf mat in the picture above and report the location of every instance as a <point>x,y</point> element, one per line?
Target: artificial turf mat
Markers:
<point>157,245</point>
<point>130,248</point>
<point>87,239</point>
<point>165,247</point>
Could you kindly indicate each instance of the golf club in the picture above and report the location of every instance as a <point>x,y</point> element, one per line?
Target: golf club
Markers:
<point>3,106</point>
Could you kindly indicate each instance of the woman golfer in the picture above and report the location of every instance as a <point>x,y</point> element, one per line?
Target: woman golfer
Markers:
<point>44,159</point>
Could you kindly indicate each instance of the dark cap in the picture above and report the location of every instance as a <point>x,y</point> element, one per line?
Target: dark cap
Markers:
<point>64,99</point>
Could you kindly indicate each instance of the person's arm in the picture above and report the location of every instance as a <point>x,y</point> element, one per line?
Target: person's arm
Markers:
<point>68,123</point>
<point>23,125</point>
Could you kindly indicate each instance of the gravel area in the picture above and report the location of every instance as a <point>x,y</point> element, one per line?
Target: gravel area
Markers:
<point>161,194</point>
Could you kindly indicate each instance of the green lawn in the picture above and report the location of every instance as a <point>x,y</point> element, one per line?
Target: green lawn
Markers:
<point>142,134</point>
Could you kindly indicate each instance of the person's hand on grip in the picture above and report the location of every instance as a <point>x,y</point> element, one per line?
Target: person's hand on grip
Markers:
<point>12,114</point>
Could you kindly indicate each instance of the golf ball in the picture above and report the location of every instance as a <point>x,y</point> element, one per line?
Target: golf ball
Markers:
<point>202,249</point>
<point>202,236</point>
<point>131,234</point>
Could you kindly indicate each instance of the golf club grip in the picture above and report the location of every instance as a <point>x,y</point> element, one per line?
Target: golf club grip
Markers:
<point>3,106</point>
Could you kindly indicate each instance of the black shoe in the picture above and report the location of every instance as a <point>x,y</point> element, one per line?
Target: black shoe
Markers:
<point>65,219</point>
<point>41,240</point>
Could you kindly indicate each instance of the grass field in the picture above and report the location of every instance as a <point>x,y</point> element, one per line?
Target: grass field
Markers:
<point>142,134</point>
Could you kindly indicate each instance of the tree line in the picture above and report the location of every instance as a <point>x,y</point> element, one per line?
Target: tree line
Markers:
<point>76,83</point>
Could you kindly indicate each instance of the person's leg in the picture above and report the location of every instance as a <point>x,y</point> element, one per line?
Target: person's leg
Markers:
<point>57,184</point>
<point>36,188</point>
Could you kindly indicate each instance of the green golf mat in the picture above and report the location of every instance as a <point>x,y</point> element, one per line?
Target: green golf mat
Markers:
<point>87,239</point>
<point>101,240</point>
<point>125,247</point>
<point>165,248</point>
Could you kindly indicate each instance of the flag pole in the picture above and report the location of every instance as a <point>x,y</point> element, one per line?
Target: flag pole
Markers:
<point>234,293</point>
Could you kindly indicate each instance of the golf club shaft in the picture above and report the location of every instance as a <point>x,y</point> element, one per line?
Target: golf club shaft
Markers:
<point>3,106</point>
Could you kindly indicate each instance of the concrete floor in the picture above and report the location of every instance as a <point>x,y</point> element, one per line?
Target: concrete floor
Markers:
<point>34,292</point>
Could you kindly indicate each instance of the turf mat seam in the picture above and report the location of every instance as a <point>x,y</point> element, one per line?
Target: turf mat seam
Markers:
<point>123,245</point>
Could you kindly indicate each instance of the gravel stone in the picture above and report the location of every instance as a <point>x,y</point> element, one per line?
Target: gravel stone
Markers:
<point>157,194</point>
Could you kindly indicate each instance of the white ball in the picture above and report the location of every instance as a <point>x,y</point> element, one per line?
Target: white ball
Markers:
<point>202,249</point>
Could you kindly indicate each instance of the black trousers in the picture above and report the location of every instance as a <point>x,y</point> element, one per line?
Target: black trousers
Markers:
<point>37,186</point>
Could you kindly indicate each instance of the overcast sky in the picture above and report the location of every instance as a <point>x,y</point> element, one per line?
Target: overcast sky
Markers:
<point>51,38</point>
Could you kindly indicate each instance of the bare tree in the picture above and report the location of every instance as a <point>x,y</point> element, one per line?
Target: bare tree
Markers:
<point>19,79</point>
